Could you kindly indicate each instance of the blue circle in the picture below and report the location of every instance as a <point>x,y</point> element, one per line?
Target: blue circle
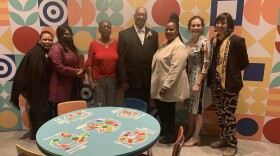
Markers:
<point>2,103</point>
<point>116,5</point>
<point>102,16</point>
<point>8,87</point>
<point>7,100</point>
<point>9,66</point>
<point>53,12</point>
<point>116,19</point>
<point>102,5</point>
<point>1,88</point>
<point>46,14</point>
<point>247,127</point>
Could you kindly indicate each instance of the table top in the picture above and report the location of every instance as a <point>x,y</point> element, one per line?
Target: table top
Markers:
<point>103,131</point>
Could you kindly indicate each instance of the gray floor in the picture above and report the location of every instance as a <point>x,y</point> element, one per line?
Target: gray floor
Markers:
<point>246,147</point>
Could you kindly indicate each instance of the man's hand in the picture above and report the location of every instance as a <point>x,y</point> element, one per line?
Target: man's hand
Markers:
<point>125,86</point>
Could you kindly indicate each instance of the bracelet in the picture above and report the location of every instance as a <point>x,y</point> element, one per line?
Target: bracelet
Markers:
<point>197,84</point>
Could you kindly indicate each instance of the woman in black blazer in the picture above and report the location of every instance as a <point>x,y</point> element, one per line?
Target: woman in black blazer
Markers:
<point>229,59</point>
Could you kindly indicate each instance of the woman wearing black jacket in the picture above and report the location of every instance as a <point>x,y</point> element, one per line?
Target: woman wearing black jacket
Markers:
<point>229,59</point>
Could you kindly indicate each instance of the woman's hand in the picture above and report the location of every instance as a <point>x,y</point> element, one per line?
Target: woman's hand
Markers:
<point>80,72</point>
<point>196,88</point>
<point>162,92</point>
<point>92,85</point>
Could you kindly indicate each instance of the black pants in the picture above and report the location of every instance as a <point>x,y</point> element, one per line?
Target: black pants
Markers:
<point>37,119</point>
<point>166,112</point>
<point>52,109</point>
<point>139,93</point>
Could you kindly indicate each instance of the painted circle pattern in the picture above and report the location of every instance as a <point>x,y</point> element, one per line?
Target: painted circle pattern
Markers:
<point>247,127</point>
<point>20,38</point>
<point>9,68</point>
<point>53,13</point>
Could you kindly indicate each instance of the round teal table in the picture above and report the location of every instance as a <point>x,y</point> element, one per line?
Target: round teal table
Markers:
<point>101,131</point>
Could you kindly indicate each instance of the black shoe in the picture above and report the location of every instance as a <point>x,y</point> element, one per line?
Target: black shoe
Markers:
<point>26,135</point>
<point>33,137</point>
<point>167,140</point>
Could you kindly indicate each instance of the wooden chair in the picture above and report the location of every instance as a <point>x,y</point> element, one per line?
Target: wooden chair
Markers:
<point>65,107</point>
<point>135,104</point>
<point>179,142</point>
<point>24,152</point>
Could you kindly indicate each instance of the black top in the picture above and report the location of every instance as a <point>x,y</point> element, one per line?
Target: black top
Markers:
<point>32,79</point>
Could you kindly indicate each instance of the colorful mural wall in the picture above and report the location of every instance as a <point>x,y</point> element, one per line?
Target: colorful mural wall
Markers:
<point>258,21</point>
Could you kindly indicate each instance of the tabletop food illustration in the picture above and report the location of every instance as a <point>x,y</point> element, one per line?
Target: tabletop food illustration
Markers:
<point>123,129</point>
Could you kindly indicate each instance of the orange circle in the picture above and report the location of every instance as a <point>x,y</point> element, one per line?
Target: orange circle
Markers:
<point>259,94</point>
<point>245,93</point>
<point>8,119</point>
<point>203,4</point>
<point>257,108</point>
<point>242,106</point>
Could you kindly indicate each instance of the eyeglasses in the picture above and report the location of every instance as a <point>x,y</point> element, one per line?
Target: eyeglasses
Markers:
<point>105,27</point>
<point>141,14</point>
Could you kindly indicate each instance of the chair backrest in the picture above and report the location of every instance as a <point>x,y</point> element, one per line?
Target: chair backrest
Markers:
<point>24,152</point>
<point>135,104</point>
<point>179,142</point>
<point>65,107</point>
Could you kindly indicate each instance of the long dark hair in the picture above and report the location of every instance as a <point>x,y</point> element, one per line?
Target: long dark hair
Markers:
<point>174,18</point>
<point>60,31</point>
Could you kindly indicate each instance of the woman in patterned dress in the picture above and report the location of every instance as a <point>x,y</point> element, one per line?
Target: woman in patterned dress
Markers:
<point>197,66</point>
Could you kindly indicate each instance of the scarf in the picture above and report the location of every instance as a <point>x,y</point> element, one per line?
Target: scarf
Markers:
<point>222,56</point>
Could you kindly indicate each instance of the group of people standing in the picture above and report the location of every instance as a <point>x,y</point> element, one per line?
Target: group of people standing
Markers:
<point>49,73</point>
<point>174,71</point>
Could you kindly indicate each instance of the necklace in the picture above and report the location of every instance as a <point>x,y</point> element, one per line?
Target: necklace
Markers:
<point>105,43</point>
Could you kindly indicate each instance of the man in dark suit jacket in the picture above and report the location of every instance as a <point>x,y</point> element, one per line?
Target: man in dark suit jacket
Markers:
<point>136,47</point>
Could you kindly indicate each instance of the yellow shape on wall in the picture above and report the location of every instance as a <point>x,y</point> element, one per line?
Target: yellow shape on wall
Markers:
<point>6,40</point>
<point>137,3</point>
<point>8,119</point>
<point>188,5</point>
<point>82,39</point>
<point>273,97</point>
<point>203,4</point>
<point>242,107</point>
<point>257,108</point>
<point>266,41</point>
<point>205,15</point>
<point>259,94</point>
<point>245,93</point>
<point>184,18</point>
<point>250,41</point>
